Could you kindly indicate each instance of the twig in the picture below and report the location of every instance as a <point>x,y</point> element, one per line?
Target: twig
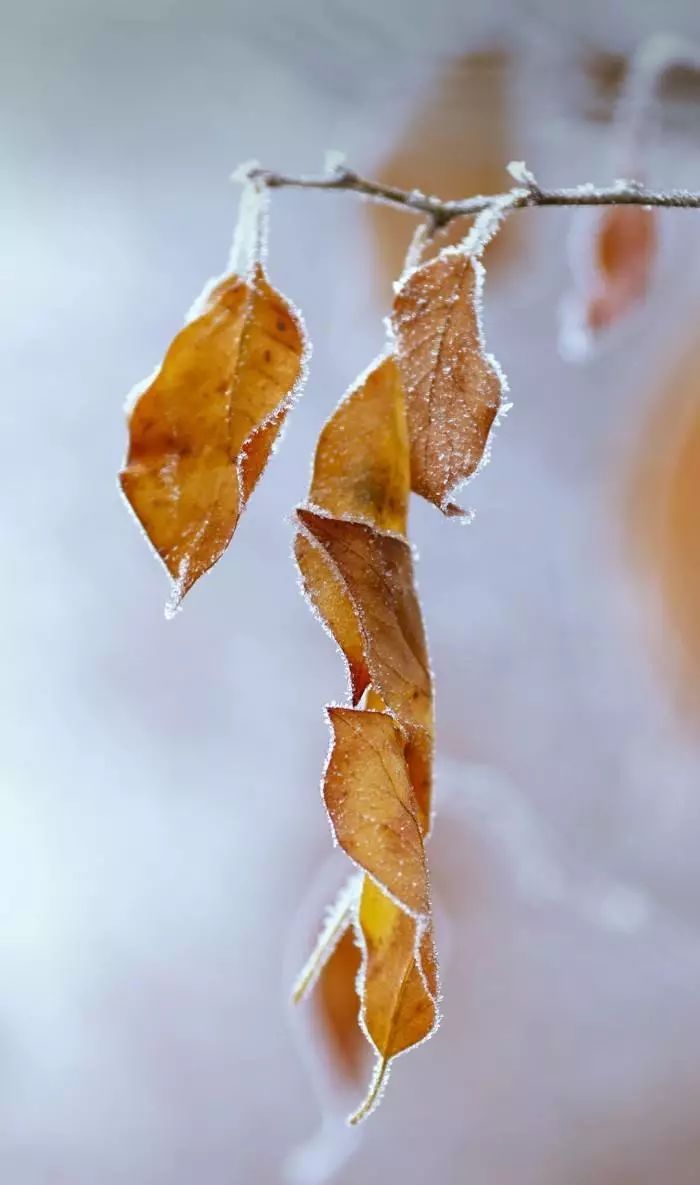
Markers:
<point>622,193</point>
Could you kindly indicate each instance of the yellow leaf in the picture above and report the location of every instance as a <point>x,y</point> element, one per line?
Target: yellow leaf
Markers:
<point>399,987</point>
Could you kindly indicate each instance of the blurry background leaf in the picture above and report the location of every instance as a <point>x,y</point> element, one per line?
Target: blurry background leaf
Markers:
<point>337,1006</point>
<point>456,141</point>
<point>664,507</point>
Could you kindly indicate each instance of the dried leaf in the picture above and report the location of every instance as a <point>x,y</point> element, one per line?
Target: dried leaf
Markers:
<point>361,466</point>
<point>357,570</point>
<point>338,1009</point>
<point>453,388</point>
<point>376,574</point>
<point>372,808</point>
<point>202,432</point>
<point>329,598</point>
<point>399,987</point>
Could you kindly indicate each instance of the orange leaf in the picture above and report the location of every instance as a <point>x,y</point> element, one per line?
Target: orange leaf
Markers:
<point>357,570</point>
<point>201,433</point>
<point>612,250</point>
<point>375,572</point>
<point>338,1009</point>
<point>360,471</point>
<point>328,596</point>
<point>453,388</point>
<point>625,246</point>
<point>372,807</point>
<point>399,988</point>
<point>361,466</point>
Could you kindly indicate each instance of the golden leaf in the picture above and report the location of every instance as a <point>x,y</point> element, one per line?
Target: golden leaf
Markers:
<point>360,471</point>
<point>327,594</point>
<point>375,572</point>
<point>338,1009</point>
<point>357,570</point>
<point>399,987</point>
<point>372,808</point>
<point>201,433</point>
<point>453,389</point>
<point>361,466</point>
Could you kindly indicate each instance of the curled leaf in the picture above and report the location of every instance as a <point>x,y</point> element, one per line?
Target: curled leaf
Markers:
<point>202,431</point>
<point>357,570</point>
<point>375,572</point>
<point>453,388</point>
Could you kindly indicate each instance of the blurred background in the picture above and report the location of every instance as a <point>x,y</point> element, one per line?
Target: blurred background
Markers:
<point>164,857</point>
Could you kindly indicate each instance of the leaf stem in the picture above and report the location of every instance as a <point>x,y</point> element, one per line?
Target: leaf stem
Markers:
<point>621,193</point>
<point>375,1088</point>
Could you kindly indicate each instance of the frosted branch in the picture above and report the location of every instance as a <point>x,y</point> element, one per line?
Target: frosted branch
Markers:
<point>441,213</point>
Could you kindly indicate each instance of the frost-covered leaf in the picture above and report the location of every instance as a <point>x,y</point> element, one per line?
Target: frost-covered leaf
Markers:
<point>361,472</point>
<point>361,466</point>
<point>371,805</point>
<point>329,597</point>
<point>357,570</point>
<point>375,573</point>
<point>453,388</point>
<point>202,431</point>
<point>613,251</point>
<point>399,986</point>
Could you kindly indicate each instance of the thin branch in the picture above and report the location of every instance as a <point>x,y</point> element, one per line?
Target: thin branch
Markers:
<point>622,193</point>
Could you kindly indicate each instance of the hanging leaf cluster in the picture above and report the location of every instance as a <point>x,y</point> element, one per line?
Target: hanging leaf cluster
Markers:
<point>201,432</point>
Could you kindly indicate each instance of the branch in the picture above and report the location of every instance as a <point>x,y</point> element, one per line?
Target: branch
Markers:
<point>528,195</point>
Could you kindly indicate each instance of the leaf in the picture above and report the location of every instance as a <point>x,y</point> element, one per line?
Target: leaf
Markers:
<point>625,247</point>
<point>399,987</point>
<point>454,132</point>
<point>613,250</point>
<point>338,1009</point>
<point>329,598</point>
<point>202,431</point>
<point>360,471</point>
<point>375,572</point>
<point>357,570</point>
<point>371,805</point>
<point>453,388</point>
<point>361,464</point>
<point>662,514</point>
